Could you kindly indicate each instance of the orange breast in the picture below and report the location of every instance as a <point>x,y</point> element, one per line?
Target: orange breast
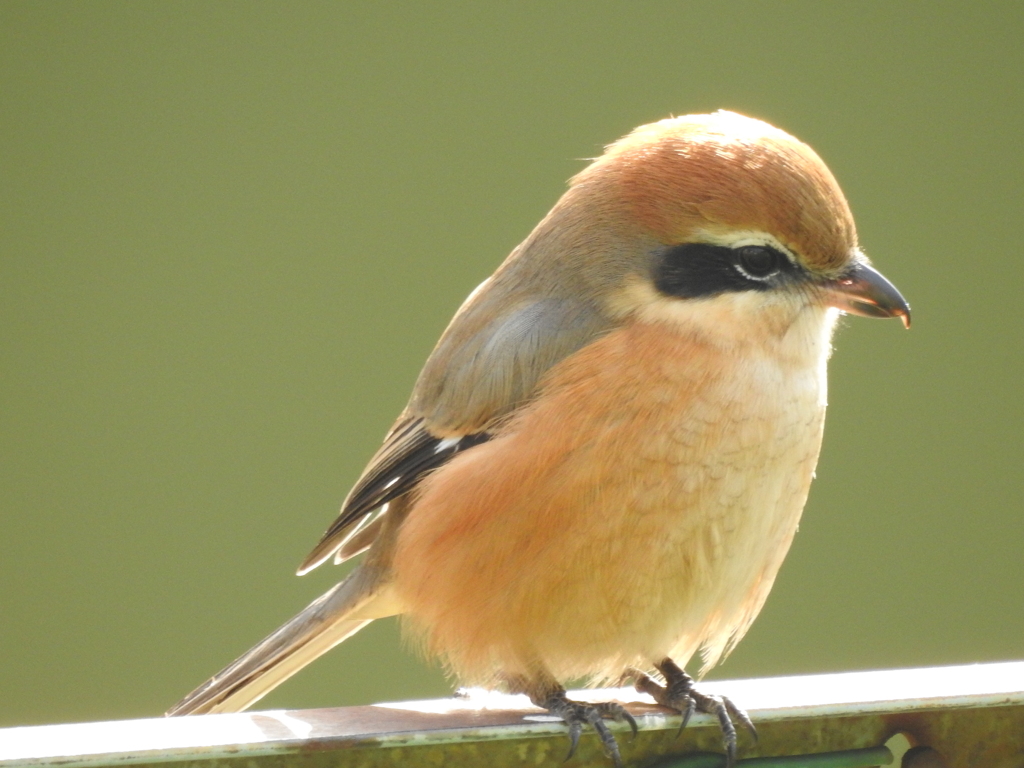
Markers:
<point>639,507</point>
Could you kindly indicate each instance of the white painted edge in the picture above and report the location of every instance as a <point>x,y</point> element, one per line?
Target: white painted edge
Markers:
<point>277,731</point>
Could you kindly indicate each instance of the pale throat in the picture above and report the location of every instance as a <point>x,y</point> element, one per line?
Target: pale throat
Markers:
<point>786,330</point>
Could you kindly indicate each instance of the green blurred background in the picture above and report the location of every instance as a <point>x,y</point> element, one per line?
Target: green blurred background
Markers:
<point>230,233</point>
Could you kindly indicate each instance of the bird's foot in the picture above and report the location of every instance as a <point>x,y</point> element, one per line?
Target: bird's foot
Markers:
<point>678,693</point>
<point>577,714</point>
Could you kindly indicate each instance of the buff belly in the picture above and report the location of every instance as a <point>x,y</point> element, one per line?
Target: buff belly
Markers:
<point>640,509</point>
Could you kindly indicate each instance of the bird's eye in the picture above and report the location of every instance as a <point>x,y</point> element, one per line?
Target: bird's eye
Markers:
<point>757,262</point>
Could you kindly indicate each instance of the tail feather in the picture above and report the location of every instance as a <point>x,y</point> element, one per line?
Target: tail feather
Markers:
<point>327,621</point>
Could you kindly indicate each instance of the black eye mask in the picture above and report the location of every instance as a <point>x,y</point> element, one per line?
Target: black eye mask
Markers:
<point>694,270</point>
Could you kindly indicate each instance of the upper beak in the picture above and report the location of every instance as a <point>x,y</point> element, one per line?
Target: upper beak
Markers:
<point>862,290</point>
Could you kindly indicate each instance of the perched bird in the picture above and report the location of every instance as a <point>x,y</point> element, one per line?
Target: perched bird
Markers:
<point>605,458</point>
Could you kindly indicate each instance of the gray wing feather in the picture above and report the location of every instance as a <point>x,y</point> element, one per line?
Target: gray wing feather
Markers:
<point>467,385</point>
<point>481,371</point>
<point>528,316</point>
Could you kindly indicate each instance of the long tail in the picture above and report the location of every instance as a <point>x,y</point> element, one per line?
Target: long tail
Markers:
<point>327,621</point>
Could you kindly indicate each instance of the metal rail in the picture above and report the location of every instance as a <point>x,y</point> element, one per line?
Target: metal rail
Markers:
<point>944,717</point>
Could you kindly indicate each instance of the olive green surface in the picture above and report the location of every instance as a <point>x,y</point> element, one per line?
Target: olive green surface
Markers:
<point>230,234</point>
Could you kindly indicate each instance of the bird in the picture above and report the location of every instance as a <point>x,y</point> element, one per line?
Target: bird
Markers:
<point>605,458</point>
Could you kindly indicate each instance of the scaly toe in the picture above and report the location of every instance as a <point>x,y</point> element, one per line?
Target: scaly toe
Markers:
<point>738,714</point>
<point>713,705</point>
<point>678,693</point>
<point>618,713</point>
<point>577,714</point>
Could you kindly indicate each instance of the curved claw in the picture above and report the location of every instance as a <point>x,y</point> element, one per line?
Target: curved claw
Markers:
<point>678,693</point>
<point>632,722</point>
<point>619,714</point>
<point>742,716</point>
<point>577,714</point>
<point>575,730</point>
<point>611,747</point>
<point>691,707</point>
<point>721,711</point>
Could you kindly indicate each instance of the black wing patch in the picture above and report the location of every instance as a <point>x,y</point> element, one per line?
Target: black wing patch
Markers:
<point>409,452</point>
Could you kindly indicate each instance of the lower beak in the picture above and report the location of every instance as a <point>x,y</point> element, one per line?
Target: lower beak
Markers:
<point>863,291</point>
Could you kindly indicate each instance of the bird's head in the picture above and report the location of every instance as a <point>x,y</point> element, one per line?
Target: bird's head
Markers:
<point>742,223</point>
<point>719,225</point>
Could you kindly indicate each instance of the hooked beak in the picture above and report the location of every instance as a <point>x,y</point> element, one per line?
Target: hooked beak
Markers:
<point>862,290</point>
